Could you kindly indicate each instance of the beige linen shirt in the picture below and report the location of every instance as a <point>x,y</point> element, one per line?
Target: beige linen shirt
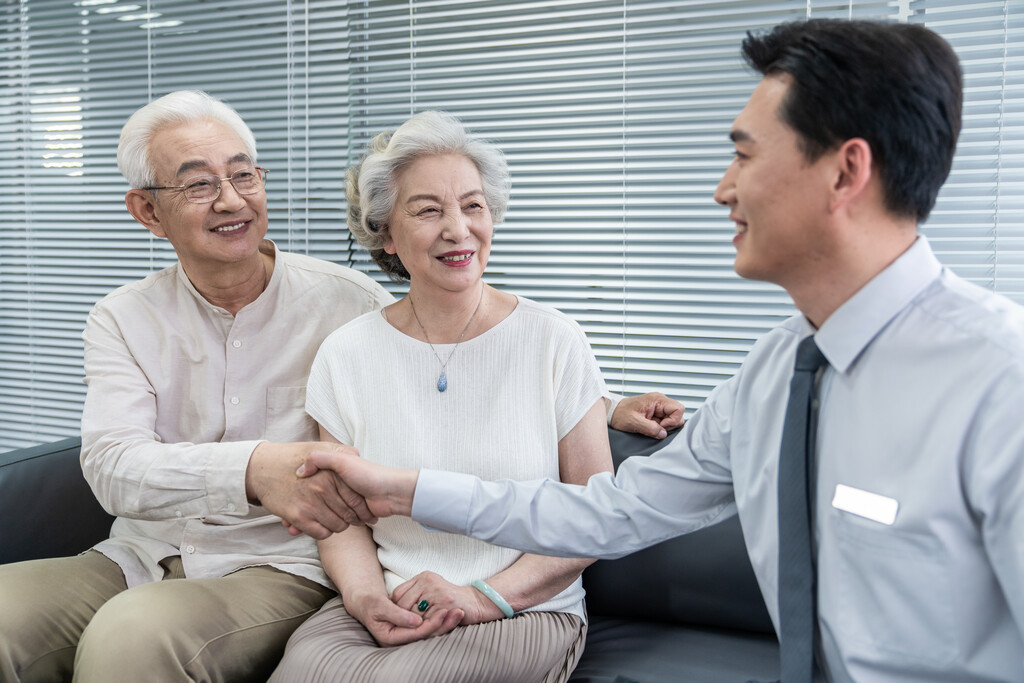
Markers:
<point>180,392</point>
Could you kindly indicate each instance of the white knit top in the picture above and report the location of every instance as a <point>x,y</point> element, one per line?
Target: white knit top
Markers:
<point>513,393</point>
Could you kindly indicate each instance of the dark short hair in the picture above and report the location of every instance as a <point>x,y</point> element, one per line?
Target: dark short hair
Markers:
<point>897,86</point>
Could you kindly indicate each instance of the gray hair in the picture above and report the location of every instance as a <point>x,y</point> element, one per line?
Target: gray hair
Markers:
<point>181,106</point>
<point>371,184</point>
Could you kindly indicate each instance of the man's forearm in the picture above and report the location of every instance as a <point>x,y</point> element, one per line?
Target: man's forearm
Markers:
<point>547,517</point>
<point>650,500</point>
<point>142,478</point>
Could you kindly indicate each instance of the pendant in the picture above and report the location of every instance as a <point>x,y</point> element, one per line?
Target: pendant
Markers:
<point>442,382</point>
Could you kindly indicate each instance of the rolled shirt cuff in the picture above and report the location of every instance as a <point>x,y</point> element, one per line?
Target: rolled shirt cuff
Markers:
<point>225,478</point>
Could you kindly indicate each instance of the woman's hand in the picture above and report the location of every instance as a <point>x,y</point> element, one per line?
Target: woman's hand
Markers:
<point>443,595</point>
<point>392,625</point>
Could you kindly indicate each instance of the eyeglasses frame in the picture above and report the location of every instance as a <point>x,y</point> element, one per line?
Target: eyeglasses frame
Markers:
<point>263,173</point>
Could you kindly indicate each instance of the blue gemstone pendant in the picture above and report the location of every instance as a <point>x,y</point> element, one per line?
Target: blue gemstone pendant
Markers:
<point>442,382</point>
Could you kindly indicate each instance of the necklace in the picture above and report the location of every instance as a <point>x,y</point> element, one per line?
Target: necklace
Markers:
<point>442,379</point>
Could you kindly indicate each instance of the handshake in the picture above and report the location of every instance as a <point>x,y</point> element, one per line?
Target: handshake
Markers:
<point>321,488</point>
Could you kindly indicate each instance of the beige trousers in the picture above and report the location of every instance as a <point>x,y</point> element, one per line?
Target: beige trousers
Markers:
<point>75,614</point>
<point>529,648</point>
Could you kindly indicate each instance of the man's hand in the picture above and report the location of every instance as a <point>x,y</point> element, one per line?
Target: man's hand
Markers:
<point>387,490</point>
<point>316,505</point>
<point>652,414</point>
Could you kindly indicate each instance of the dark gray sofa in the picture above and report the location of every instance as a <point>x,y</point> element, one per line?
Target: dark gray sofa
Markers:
<point>686,610</point>
<point>47,508</point>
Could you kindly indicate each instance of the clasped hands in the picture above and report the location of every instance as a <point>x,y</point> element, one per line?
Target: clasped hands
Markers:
<point>399,620</point>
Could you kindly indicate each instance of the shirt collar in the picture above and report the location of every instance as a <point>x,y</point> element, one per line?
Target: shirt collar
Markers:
<point>267,246</point>
<point>852,327</point>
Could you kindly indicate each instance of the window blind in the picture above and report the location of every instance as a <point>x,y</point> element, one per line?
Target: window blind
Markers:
<point>977,227</point>
<point>613,115</point>
<point>73,71</point>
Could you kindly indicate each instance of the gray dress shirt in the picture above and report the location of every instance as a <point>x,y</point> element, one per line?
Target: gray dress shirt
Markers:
<point>181,392</point>
<point>919,520</point>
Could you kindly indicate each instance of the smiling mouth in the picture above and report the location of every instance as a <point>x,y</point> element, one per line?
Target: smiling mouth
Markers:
<point>741,228</point>
<point>229,228</point>
<point>454,259</point>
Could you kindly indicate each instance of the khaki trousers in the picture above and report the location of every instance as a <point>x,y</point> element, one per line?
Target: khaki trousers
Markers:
<point>74,616</point>
<point>530,648</point>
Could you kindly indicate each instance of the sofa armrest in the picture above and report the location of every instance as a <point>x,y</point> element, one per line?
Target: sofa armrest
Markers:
<point>47,508</point>
<point>703,578</point>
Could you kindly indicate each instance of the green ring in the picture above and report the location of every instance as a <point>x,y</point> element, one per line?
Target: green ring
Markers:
<point>422,605</point>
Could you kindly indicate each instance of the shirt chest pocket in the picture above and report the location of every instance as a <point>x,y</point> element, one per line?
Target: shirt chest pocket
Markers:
<point>286,416</point>
<point>893,591</point>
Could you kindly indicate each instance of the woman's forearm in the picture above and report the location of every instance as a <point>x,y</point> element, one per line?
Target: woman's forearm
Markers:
<point>350,559</point>
<point>533,579</point>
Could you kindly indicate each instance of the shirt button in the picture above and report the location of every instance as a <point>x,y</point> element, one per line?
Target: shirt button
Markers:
<point>177,513</point>
<point>231,507</point>
<point>190,549</point>
<point>236,343</point>
<point>234,400</point>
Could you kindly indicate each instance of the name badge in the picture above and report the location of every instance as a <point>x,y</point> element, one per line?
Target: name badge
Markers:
<point>865,504</point>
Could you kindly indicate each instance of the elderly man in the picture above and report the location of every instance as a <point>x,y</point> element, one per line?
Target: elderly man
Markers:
<point>886,532</point>
<point>194,413</point>
<point>194,424</point>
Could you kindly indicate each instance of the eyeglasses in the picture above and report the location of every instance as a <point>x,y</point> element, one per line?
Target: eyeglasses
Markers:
<point>203,189</point>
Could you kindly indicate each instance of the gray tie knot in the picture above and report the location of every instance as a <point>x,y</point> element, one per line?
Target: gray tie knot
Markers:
<point>808,356</point>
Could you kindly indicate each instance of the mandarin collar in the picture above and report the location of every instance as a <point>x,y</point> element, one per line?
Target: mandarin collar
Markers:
<point>267,246</point>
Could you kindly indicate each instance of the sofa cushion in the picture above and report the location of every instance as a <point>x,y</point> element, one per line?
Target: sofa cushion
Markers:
<point>700,578</point>
<point>651,652</point>
<point>46,505</point>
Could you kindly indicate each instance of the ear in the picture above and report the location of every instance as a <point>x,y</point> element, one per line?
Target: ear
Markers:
<point>853,173</point>
<point>389,245</point>
<point>141,207</point>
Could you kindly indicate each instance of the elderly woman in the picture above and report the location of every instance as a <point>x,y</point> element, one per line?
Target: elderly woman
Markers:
<point>455,376</point>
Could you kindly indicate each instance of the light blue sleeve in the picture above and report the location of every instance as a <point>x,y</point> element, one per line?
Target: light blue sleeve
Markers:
<point>994,483</point>
<point>682,487</point>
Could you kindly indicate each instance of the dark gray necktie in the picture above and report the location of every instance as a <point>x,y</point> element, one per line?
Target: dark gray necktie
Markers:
<point>797,609</point>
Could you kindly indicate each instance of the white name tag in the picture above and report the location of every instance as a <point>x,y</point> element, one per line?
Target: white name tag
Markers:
<point>865,504</point>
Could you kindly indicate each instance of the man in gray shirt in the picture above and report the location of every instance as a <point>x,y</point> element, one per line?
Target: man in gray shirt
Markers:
<point>917,475</point>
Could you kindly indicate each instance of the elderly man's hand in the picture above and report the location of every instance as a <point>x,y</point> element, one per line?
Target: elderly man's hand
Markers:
<point>653,414</point>
<point>318,505</point>
<point>387,490</point>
